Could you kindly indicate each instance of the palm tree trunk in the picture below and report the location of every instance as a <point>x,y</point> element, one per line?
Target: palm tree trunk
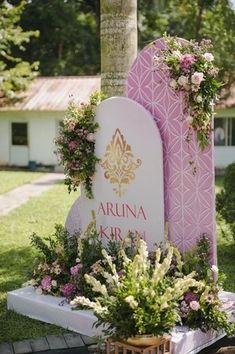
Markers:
<point>118,43</point>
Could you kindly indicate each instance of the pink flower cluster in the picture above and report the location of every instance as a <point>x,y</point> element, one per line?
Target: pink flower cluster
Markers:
<point>186,61</point>
<point>74,270</point>
<point>46,283</point>
<point>72,145</point>
<point>67,290</point>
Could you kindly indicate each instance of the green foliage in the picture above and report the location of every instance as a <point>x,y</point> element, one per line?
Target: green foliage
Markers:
<point>76,144</point>
<point>68,43</point>
<point>58,247</point>
<point>89,252</point>
<point>225,200</point>
<point>198,259</point>
<point>57,254</point>
<point>15,73</point>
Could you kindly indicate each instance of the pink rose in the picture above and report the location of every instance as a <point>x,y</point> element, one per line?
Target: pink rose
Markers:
<point>74,270</point>
<point>197,78</point>
<point>194,305</point>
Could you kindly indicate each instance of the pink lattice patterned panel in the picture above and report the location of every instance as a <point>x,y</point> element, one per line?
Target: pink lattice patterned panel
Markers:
<point>189,199</point>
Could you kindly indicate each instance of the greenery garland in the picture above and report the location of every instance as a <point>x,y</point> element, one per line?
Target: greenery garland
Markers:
<point>192,73</point>
<point>76,144</point>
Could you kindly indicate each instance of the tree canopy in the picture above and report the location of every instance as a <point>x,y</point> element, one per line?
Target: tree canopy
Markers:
<point>69,38</point>
<point>15,73</point>
<point>69,41</point>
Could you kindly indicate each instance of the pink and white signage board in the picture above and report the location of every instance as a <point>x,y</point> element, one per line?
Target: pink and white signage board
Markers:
<point>128,184</point>
<point>189,199</point>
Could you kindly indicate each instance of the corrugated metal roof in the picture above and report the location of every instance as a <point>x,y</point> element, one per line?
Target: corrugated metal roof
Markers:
<point>54,93</point>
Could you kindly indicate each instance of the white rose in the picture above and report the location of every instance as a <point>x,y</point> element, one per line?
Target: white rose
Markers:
<point>90,137</point>
<point>209,57</point>
<point>173,84</point>
<point>183,80</point>
<point>197,78</point>
<point>199,98</point>
<point>54,283</point>
<point>38,291</point>
<point>214,269</point>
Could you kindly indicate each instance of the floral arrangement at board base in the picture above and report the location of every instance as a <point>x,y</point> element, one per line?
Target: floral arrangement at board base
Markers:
<point>76,144</point>
<point>133,292</point>
<point>155,292</point>
<point>192,73</point>
<point>63,260</point>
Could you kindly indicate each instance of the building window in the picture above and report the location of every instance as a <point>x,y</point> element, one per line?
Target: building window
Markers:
<point>19,133</point>
<point>224,131</point>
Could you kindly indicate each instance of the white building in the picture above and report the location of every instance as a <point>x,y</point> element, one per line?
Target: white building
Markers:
<point>224,132</point>
<point>28,128</point>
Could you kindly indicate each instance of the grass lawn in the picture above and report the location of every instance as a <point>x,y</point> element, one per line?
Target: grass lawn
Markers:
<point>13,179</point>
<point>16,256</point>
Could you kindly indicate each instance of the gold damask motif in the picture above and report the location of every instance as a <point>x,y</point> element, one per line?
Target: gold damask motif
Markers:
<point>118,163</point>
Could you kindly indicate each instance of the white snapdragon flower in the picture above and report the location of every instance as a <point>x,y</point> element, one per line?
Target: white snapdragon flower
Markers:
<point>209,57</point>
<point>81,300</point>
<point>110,263</point>
<point>131,301</point>
<point>161,269</point>
<point>111,279</point>
<point>96,285</point>
<point>126,260</point>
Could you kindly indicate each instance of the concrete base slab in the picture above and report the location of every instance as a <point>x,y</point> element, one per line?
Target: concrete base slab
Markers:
<point>47,308</point>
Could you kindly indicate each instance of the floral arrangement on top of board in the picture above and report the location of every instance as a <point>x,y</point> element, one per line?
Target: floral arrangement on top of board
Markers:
<point>76,144</point>
<point>132,291</point>
<point>192,72</point>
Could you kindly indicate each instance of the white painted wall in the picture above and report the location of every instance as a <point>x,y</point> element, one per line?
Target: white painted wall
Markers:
<point>42,129</point>
<point>224,155</point>
<point>41,135</point>
<point>4,141</point>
